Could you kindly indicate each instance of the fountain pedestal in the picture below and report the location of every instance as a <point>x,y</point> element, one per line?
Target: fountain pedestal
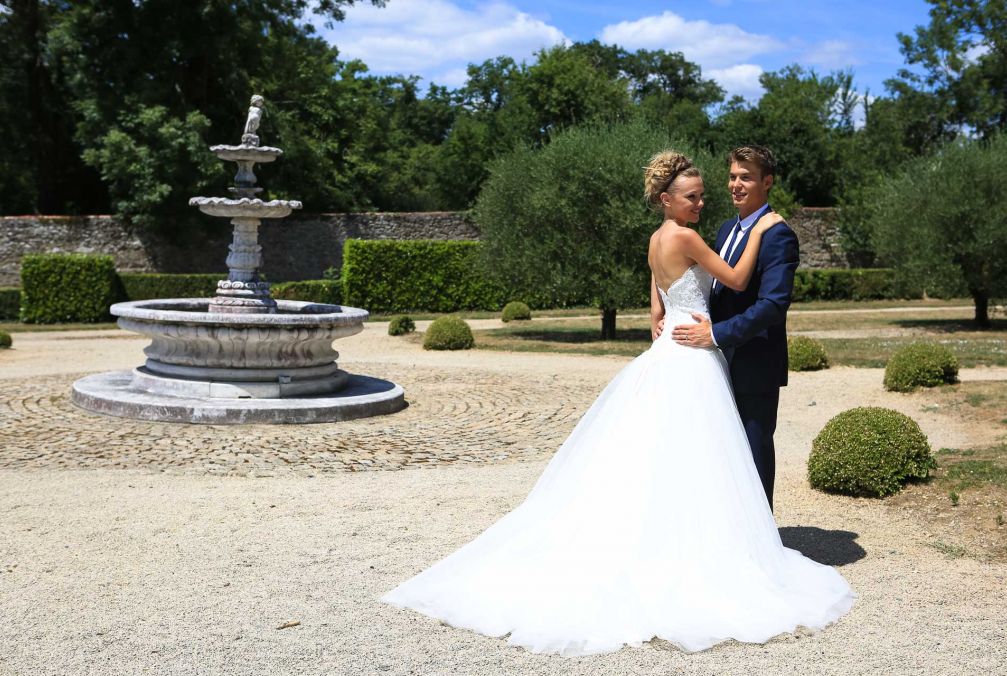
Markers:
<point>241,356</point>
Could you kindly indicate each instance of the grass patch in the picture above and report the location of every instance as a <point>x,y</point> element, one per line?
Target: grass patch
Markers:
<point>972,472</point>
<point>971,349</point>
<point>949,550</point>
<point>583,336</point>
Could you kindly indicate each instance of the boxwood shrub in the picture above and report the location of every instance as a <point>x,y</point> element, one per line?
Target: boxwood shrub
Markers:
<point>448,333</point>
<point>869,451</point>
<point>147,285</point>
<point>920,365</point>
<point>401,325</point>
<point>10,302</point>
<point>515,311</point>
<point>310,290</point>
<point>806,354</point>
<point>417,275</point>
<point>5,340</point>
<point>67,288</point>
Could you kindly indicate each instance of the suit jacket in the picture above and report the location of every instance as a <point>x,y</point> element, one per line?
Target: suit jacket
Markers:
<point>750,326</point>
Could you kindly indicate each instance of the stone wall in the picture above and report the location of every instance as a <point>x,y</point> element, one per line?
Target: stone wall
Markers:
<point>817,231</point>
<point>299,247</point>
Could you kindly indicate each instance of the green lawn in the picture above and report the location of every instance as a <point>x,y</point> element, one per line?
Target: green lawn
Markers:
<point>949,327</point>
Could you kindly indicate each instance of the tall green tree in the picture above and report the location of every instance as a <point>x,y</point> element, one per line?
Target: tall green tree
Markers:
<point>940,220</point>
<point>961,64</point>
<point>42,170</point>
<point>567,221</point>
<point>96,73</point>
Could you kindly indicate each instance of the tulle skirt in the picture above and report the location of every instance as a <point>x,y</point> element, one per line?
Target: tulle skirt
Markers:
<point>649,521</point>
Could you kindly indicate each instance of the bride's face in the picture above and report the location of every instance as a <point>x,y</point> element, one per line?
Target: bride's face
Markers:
<point>684,200</point>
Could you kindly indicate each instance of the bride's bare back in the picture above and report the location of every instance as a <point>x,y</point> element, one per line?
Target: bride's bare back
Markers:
<point>666,257</point>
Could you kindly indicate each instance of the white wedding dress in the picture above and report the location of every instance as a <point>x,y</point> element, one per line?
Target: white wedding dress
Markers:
<point>649,521</point>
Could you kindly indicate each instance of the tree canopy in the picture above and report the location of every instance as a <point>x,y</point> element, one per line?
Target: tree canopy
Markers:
<point>109,105</point>
<point>568,221</point>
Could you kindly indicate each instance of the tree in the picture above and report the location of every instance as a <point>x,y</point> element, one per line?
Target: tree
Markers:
<point>42,171</point>
<point>963,56</point>
<point>940,220</point>
<point>92,72</point>
<point>568,221</point>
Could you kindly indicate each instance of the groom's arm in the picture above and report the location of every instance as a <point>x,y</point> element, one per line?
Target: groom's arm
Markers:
<point>776,286</point>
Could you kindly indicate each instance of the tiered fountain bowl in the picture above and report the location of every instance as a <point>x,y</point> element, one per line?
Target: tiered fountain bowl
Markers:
<point>241,356</point>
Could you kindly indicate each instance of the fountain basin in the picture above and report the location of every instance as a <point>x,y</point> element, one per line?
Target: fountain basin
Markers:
<point>235,368</point>
<point>245,207</point>
<point>246,153</point>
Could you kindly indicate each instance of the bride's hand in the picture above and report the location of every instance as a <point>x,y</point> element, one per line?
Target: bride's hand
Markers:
<point>768,220</point>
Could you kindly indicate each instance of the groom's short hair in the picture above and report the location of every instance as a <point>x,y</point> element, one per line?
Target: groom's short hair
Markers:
<point>759,155</point>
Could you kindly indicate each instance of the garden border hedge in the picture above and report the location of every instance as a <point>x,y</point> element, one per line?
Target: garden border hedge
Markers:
<point>58,288</point>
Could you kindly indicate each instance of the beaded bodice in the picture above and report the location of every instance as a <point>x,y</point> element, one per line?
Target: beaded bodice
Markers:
<point>687,294</point>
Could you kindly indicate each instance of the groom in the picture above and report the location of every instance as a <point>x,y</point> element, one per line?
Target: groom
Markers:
<point>750,326</point>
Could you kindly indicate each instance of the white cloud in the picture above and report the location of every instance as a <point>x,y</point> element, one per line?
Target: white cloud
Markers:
<point>711,45</point>
<point>436,36</point>
<point>973,53</point>
<point>832,55</point>
<point>742,79</point>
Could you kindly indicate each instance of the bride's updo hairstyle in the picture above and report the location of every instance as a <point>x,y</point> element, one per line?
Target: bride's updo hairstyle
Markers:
<point>661,172</point>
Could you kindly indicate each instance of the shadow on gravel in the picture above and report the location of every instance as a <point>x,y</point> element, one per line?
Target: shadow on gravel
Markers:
<point>829,547</point>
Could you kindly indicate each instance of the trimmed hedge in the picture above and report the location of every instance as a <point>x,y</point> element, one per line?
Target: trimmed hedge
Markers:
<point>417,275</point>
<point>448,333</point>
<point>864,284</point>
<point>10,302</point>
<point>401,325</point>
<point>920,365</point>
<point>310,290</point>
<point>148,285</point>
<point>840,284</point>
<point>67,288</point>
<point>5,340</point>
<point>515,311</point>
<point>869,451</point>
<point>806,354</point>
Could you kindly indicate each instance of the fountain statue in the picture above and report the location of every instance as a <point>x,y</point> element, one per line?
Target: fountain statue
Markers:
<point>240,356</point>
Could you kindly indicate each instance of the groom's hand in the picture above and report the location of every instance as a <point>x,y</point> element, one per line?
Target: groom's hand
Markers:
<point>699,334</point>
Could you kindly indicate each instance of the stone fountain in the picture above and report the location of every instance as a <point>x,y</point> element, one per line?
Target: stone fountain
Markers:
<point>241,356</point>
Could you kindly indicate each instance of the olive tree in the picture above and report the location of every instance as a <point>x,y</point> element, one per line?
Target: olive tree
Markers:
<point>941,220</point>
<point>568,223</point>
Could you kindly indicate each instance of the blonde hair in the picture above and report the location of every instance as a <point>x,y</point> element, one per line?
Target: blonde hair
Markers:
<point>661,172</point>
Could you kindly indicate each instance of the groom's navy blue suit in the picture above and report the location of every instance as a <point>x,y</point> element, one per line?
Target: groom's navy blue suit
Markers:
<point>750,327</point>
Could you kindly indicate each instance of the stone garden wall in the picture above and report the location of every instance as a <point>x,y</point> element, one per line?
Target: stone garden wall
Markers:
<point>299,247</point>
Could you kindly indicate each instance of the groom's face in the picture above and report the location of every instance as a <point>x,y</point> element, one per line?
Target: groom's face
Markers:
<point>749,188</point>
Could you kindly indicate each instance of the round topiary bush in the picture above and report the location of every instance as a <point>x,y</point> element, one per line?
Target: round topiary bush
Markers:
<point>515,311</point>
<point>920,365</point>
<point>869,451</point>
<point>5,340</point>
<point>448,333</point>
<point>806,354</point>
<point>401,325</point>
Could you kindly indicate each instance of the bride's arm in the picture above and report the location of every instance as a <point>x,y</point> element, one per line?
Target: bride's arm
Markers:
<point>656,308</point>
<point>737,277</point>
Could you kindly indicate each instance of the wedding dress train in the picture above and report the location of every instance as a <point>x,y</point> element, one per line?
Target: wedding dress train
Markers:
<point>649,521</point>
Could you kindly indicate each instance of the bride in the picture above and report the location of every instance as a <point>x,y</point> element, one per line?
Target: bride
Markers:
<point>650,520</point>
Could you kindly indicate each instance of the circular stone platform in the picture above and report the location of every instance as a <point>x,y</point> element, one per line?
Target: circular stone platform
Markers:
<point>115,393</point>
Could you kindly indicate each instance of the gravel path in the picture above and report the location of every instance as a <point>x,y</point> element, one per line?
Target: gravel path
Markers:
<point>172,569</point>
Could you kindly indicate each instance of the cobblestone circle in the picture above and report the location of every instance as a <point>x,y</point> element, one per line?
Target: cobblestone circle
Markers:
<point>454,416</point>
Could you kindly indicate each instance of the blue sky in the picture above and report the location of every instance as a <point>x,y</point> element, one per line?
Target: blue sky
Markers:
<point>733,40</point>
